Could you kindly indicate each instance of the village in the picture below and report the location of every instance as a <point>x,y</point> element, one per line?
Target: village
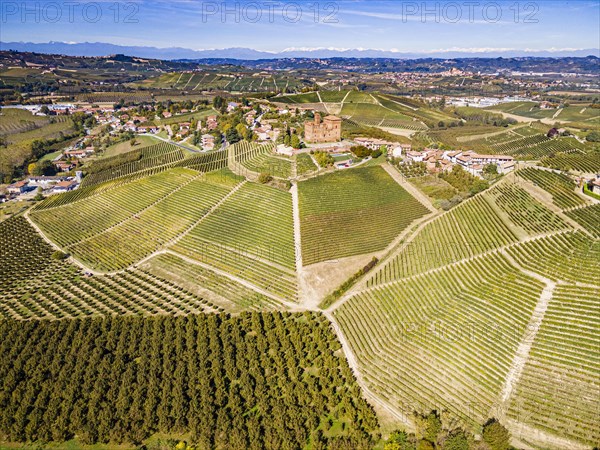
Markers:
<point>199,128</point>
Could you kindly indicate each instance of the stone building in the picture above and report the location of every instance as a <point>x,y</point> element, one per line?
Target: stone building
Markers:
<point>328,130</point>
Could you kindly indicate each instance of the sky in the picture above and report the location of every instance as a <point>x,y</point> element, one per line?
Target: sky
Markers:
<point>396,25</point>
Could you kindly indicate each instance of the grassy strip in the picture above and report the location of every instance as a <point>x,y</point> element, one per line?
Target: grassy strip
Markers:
<point>343,288</point>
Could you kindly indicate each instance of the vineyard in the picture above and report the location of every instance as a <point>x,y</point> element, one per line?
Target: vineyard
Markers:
<point>206,162</point>
<point>14,121</point>
<point>232,295</point>
<point>572,257</point>
<point>150,157</point>
<point>261,159</point>
<point>115,97</point>
<point>249,236</point>
<point>467,230</point>
<point>33,285</point>
<point>304,164</point>
<point>580,161</point>
<point>560,186</point>
<point>216,379</point>
<point>524,211</point>
<point>565,349</point>
<point>151,229</point>
<point>74,222</point>
<point>353,212</point>
<point>526,142</point>
<point>443,340</point>
<point>372,114</point>
<point>588,217</point>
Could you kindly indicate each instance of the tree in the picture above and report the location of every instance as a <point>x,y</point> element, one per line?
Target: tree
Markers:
<point>360,151</point>
<point>594,136</point>
<point>456,440</point>
<point>43,168</point>
<point>490,169</point>
<point>496,435</point>
<point>39,196</point>
<point>295,141</point>
<point>424,444</point>
<point>232,136</point>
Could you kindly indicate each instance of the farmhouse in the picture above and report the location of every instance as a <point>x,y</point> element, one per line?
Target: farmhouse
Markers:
<point>472,161</point>
<point>415,156</point>
<point>18,188</point>
<point>78,153</point>
<point>329,130</point>
<point>63,166</point>
<point>44,182</point>
<point>65,186</point>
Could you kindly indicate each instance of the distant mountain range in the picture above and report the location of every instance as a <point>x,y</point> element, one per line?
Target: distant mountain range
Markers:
<point>179,53</point>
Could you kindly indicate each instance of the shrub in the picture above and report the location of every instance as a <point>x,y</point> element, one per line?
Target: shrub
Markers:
<point>496,435</point>
<point>59,256</point>
<point>360,151</point>
<point>264,178</point>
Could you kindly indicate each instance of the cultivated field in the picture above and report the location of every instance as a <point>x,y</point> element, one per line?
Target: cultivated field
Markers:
<point>465,231</point>
<point>353,212</point>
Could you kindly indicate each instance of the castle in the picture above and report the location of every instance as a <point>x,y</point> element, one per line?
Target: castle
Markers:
<point>330,130</point>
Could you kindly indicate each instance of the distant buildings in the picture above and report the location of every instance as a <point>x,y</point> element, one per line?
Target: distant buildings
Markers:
<point>328,130</point>
<point>473,162</point>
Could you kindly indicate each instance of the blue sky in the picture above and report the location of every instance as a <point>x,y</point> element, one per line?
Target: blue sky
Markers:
<point>405,26</point>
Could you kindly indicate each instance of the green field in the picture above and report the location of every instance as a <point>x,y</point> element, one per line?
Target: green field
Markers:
<point>353,212</point>
<point>124,147</point>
